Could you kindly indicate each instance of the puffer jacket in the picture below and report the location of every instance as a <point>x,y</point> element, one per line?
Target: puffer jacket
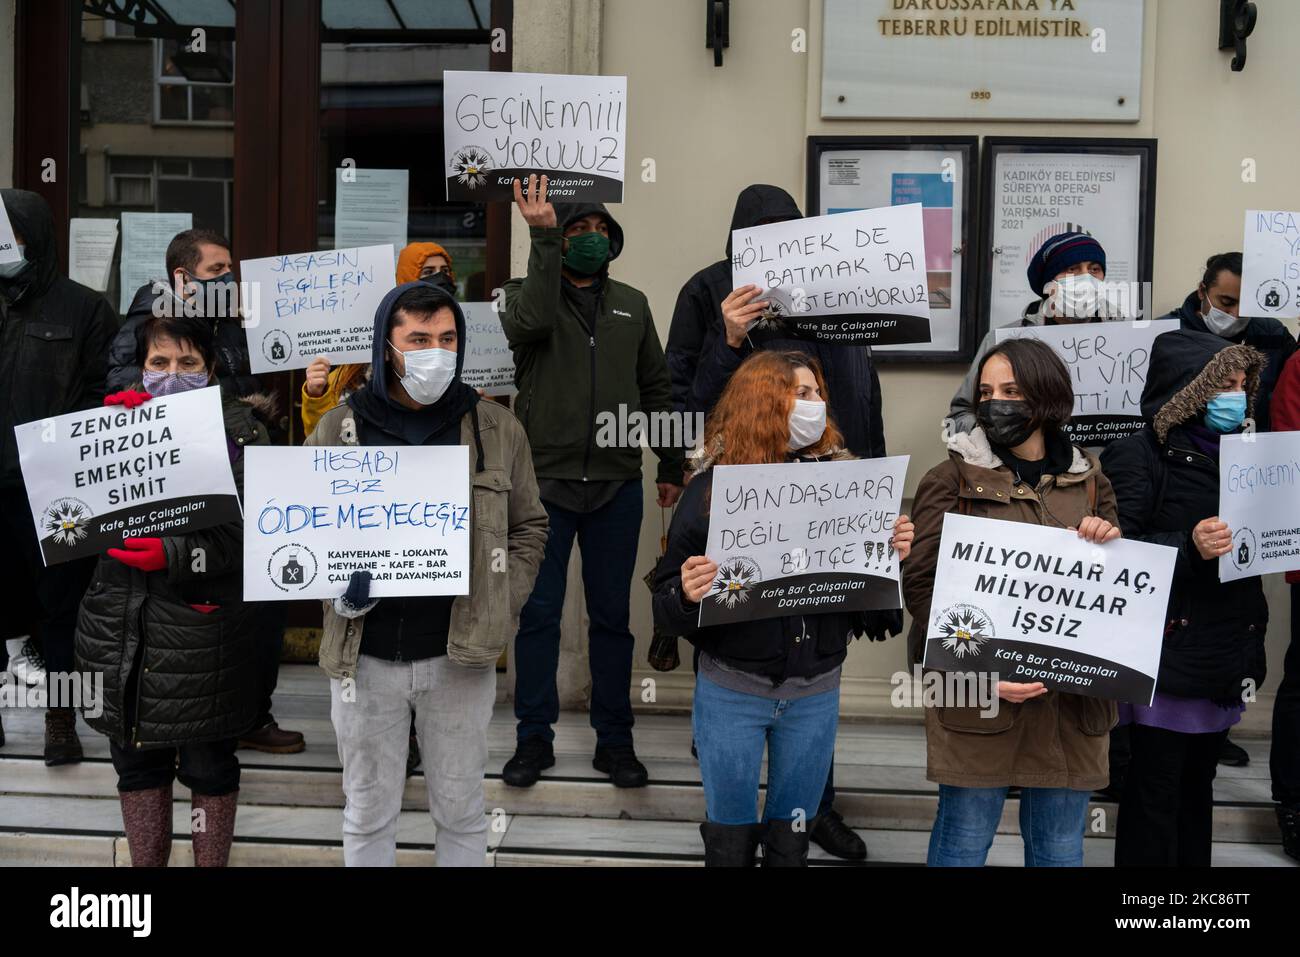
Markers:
<point>1057,740</point>
<point>174,675</point>
<point>1165,485</point>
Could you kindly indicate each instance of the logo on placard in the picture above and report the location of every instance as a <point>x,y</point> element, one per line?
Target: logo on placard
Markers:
<point>1272,294</point>
<point>1243,549</point>
<point>736,579</point>
<point>964,629</point>
<point>470,165</point>
<point>292,567</point>
<point>277,347</point>
<point>66,521</point>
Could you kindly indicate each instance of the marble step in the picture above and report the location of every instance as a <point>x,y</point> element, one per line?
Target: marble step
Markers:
<point>576,796</point>
<point>309,837</point>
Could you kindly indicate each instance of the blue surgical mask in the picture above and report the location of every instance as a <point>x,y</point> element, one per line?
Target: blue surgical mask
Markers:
<point>1225,412</point>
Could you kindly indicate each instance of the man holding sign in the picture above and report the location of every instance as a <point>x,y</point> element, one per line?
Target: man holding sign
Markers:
<point>433,655</point>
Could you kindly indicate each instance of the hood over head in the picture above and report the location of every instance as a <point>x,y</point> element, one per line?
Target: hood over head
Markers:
<point>412,257</point>
<point>384,318</point>
<point>761,202</point>
<point>1184,373</point>
<point>566,213</point>
<point>31,218</point>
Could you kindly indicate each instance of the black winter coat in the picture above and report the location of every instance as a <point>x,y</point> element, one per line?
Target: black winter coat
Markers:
<point>1265,333</point>
<point>54,335</point>
<point>777,648</point>
<point>173,675</point>
<point>700,362</point>
<point>232,345</point>
<point>1164,485</point>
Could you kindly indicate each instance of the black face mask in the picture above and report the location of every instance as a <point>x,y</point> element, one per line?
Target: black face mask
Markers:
<point>1006,422</point>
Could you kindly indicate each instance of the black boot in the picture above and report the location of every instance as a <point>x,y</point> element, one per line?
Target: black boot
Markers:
<point>783,846</point>
<point>1288,820</point>
<point>1233,755</point>
<point>62,746</point>
<point>533,755</point>
<point>833,836</point>
<point>731,845</point>
<point>619,761</point>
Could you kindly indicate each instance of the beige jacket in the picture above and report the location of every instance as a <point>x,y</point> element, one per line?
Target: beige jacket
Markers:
<point>508,527</point>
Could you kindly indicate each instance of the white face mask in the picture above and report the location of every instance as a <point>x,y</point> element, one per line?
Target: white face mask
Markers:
<point>807,423</point>
<point>1076,297</point>
<point>1222,323</point>
<point>428,373</point>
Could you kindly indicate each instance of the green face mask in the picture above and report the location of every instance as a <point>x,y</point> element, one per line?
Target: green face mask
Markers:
<point>587,253</point>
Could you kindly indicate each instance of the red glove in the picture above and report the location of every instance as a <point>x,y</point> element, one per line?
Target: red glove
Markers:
<point>129,398</point>
<point>145,554</point>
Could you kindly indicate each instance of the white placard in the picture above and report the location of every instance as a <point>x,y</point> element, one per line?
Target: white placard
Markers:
<point>851,277</point>
<point>501,126</point>
<point>316,514</point>
<point>370,207</point>
<point>1270,270</point>
<point>8,242</point>
<point>803,538</point>
<point>145,237</point>
<point>96,477</point>
<point>1030,603</point>
<point>1259,500</point>
<point>1039,195</point>
<point>91,243</point>
<point>310,304</point>
<point>489,362</point>
<point>1108,368</point>
<point>981,59</point>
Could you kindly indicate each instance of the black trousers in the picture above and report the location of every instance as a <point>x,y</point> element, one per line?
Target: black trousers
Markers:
<point>37,600</point>
<point>270,621</point>
<point>210,768</point>
<point>1284,756</point>
<point>1166,814</point>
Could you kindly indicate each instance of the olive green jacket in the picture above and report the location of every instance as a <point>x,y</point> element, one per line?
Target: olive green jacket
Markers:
<point>508,528</point>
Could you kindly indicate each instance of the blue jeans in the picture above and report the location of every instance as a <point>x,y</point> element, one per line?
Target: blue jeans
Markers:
<point>731,730</point>
<point>1051,823</point>
<point>607,538</point>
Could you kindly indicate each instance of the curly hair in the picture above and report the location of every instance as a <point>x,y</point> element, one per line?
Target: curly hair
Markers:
<point>750,425</point>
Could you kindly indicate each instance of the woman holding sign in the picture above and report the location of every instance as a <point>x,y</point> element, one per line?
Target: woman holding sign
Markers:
<point>163,623</point>
<point>771,682</point>
<point>1015,465</point>
<point>1199,388</point>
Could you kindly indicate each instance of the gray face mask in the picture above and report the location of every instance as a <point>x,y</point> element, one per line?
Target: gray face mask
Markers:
<point>12,270</point>
<point>1223,323</point>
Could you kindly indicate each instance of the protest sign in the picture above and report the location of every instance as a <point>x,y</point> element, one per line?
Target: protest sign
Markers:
<point>803,538</point>
<point>8,241</point>
<point>498,127</point>
<point>91,244</point>
<point>96,477</point>
<point>317,514</point>
<point>1259,500</point>
<point>1270,267</point>
<point>145,238</point>
<point>1030,603</point>
<point>850,277</point>
<point>1108,368</point>
<point>489,362</point>
<point>311,304</point>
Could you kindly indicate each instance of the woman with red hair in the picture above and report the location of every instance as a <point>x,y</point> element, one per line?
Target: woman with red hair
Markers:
<point>772,683</point>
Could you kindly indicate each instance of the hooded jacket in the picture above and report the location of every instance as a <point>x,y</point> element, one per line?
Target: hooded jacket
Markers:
<point>231,342</point>
<point>54,335</point>
<point>174,675</point>
<point>701,363</point>
<point>1264,333</point>
<point>1214,633</point>
<point>506,514</point>
<point>571,372</point>
<point>1057,739</point>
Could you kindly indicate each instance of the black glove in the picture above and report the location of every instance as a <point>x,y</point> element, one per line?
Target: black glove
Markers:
<point>879,625</point>
<point>358,594</point>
